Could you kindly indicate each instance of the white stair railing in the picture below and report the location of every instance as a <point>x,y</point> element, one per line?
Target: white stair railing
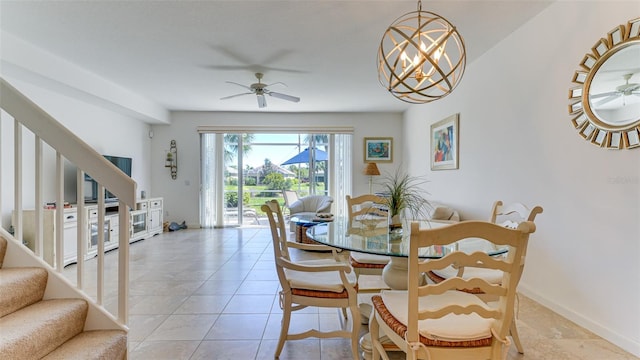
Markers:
<point>47,131</point>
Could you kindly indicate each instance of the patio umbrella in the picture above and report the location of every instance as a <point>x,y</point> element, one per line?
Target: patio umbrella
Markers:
<point>303,157</point>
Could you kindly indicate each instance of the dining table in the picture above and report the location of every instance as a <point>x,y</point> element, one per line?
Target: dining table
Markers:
<point>377,239</point>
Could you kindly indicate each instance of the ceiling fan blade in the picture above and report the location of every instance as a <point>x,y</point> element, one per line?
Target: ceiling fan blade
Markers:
<point>605,100</point>
<point>284,96</point>
<point>236,95</point>
<point>276,83</point>
<point>235,83</point>
<point>226,67</point>
<point>597,96</point>
<point>262,102</point>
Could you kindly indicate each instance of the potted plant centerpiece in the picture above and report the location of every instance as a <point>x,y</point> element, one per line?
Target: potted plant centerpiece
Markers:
<point>405,196</point>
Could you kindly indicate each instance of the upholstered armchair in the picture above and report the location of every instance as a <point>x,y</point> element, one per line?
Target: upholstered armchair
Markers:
<point>443,213</point>
<point>311,204</point>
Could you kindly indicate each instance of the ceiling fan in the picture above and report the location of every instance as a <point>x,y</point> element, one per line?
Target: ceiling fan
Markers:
<point>260,90</point>
<point>623,90</point>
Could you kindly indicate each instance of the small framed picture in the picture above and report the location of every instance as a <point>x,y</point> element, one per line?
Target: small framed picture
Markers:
<point>445,144</point>
<point>378,149</point>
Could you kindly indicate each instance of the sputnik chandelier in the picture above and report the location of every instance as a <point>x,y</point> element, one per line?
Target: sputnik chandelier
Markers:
<point>421,57</point>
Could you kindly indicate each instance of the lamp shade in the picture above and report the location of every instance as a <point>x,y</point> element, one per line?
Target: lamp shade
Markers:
<point>371,169</point>
<point>421,57</point>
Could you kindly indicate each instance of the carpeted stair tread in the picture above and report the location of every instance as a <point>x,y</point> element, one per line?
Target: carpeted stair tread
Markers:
<point>90,345</point>
<point>38,329</point>
<point>20,287</point>
<point>3,249</point>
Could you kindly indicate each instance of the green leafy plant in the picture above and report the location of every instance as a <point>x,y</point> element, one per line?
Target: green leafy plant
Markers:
<point>405,194</point>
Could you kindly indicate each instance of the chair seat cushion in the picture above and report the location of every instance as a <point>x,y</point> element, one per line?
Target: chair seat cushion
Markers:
<point>320,281</point>
<point>359,265</point>
<point>451,327</point>
<point>364,258</point>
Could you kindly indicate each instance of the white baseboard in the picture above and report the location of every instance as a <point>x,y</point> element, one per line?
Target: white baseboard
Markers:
<point>627,344</point>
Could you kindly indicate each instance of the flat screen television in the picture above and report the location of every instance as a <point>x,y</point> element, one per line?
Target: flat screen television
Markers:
<point>91,186</point>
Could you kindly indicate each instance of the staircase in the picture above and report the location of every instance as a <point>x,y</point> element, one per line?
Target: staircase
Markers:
<point>42,314</point>
<point>47,328</point>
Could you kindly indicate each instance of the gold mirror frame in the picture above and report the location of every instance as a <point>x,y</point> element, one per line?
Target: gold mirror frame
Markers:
<point>593,129</point>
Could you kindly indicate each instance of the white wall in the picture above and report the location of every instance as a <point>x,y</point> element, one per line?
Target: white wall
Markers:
<point>111,119</point>
<point>181,196</point>
<point>108,132</point>
<point>517,144</point>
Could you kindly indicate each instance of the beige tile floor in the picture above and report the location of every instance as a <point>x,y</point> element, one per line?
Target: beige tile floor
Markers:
<point>211,294</point>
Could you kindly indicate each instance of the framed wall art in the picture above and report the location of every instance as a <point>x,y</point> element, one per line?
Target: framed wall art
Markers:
<point>445,143</point>
<point>378,149</point>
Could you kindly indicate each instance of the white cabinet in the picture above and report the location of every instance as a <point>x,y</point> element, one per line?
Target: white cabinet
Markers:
<point>93,231</point>
<point>155,217</point>
<point>49,234</point>
<point>138,224</point>
<point>145,222</point>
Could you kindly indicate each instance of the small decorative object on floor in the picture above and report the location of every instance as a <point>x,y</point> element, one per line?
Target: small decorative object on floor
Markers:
<point>174,226</point>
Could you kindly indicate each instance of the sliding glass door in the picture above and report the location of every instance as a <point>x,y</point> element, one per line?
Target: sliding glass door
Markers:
<point>256,167</point>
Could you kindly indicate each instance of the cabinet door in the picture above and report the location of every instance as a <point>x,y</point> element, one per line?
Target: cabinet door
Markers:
<point>114,235</point>
<point>70,234</point>
<point>138,224</point>
<point>155,221</point>
<point>92,246</point>
<point>155,216</point>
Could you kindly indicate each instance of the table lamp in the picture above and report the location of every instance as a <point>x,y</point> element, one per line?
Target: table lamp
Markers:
<point>371,170</point>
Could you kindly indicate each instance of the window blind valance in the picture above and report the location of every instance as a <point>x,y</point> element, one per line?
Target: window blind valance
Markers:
<point>316,129</point>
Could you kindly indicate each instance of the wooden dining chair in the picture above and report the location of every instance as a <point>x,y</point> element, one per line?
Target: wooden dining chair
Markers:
<point>364,210</point>
<point>506,215</point>
<point>436,321</point>
<point>321,283</point>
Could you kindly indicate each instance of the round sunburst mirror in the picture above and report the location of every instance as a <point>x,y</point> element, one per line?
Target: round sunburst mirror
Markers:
<point>605,104</point>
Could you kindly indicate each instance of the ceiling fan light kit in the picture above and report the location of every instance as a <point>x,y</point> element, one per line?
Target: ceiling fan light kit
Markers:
<point>260,90</point>
<point>421,57</point>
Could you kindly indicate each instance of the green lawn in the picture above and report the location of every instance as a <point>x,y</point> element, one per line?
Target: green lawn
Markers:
<point>259,194</point>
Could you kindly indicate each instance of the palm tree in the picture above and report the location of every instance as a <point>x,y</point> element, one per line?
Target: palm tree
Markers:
<point>231,145</point>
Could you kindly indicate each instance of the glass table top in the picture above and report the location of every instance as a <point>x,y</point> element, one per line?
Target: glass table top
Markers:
<point>310,218</point>
<point>378,240</point>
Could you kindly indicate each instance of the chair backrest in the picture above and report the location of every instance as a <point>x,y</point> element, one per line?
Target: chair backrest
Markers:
<point>278,229</point>
<point>316,203</point>
<point>511,266</point>
<point>516,212</point>
<point>290,197</point>
<point>366,205</point>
